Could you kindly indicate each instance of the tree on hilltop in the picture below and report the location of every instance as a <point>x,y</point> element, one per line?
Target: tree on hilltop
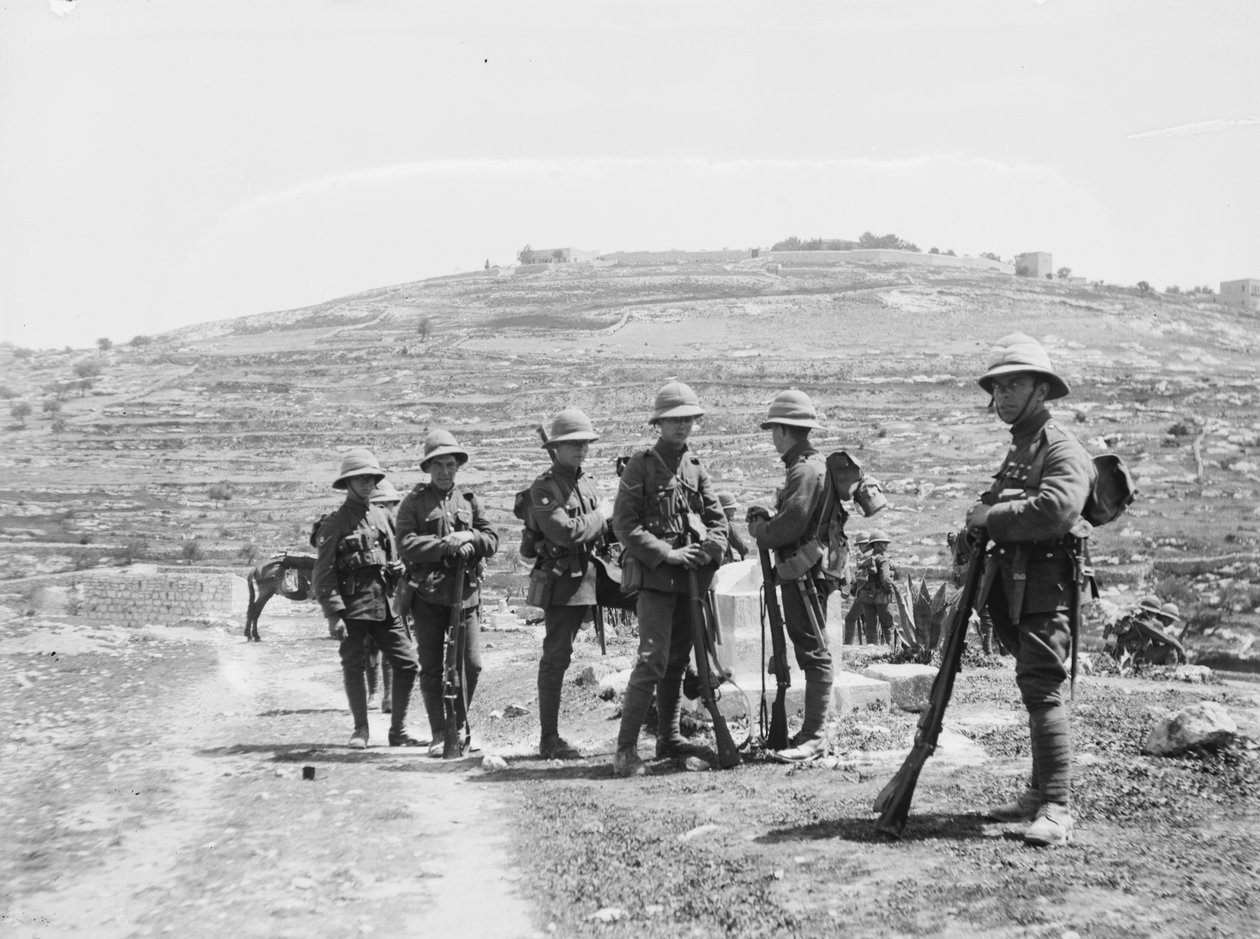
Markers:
<point>889,241</point>
<point>525,255</point>
<point>989,256</point>
<point>104,344</point>
<point>139,342</point>
<point>1143,287</point>
<point>1063,273</point>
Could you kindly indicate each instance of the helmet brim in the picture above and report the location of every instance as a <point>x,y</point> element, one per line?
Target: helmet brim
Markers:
<point>461,456</point>
<point>1058,387</point>
<point>578,436</point>
<point>805,422</point>
<point>681,410</point>
<point>340,481</point>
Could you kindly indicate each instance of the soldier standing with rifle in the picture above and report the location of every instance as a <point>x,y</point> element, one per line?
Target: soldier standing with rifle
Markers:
<point>354,574</point>
<point>572,519</point>
<point>1029,578</point>
<point>441,530</point>
<point>665,495</point>
<point>792,531</point>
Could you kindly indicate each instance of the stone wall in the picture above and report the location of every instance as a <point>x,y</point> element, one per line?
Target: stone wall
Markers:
<point>146,595</point>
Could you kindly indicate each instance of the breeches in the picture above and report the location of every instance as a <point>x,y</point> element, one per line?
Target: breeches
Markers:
<point>562,624</point>
<point>664,638</point>
<point>1041,645</point>
<point>390,638</point>
<point>811,652</point>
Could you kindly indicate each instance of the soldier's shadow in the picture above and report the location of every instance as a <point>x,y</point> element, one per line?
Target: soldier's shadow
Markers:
<point>300,752</point>
<point>926,827</point>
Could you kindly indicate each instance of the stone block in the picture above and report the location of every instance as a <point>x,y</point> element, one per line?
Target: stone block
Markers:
<point>853,691</point>
<point>910,685</point>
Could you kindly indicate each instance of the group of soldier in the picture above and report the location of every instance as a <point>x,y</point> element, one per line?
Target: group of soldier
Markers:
<point>371,577</point>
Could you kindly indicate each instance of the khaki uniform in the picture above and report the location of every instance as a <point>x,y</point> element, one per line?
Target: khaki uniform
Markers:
<point>426,516</point>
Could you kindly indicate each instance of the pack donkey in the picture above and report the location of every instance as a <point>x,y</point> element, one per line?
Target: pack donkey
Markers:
<point>288,575</point>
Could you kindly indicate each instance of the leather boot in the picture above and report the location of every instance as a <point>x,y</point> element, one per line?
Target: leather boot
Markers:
<point>669,738</point>
<point>808,743</point>
<point>401,704</point>
<point>356,698</point>
<point>549,686</point>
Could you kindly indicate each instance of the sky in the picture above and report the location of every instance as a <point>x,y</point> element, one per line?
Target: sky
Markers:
<point>167,162</point>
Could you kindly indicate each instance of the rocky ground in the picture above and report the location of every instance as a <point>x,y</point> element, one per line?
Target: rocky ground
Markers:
<point>152,784</point>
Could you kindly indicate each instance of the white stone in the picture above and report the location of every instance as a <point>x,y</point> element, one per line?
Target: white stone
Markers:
<point>614,685</point>
<point>909,684</point>
<point>1205,724</point>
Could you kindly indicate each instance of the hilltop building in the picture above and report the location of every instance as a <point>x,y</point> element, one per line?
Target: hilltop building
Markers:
<point>1244,294</point>
<point>1037,264</point>
<point>559,255</point>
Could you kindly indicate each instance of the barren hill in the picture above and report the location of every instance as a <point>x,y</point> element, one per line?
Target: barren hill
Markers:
<point>889,351</point>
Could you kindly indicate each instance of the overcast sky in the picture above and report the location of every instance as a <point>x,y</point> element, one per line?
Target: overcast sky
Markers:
<point>173,161</point>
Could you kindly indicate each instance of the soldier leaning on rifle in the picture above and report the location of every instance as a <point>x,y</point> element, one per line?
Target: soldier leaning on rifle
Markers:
<point>1038,495</point>
<point>572,518</point>
<point>668,517</point>
<point>792,532</point>
<point>355,568</point>
<point>875,591</point>
<point>440,523</point>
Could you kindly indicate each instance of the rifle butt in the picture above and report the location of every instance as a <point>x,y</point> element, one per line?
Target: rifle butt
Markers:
<point>777,739</point>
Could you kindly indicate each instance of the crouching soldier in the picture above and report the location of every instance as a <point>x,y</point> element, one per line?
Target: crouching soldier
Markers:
<point>792,533</point>
<point>439,524</point>
<point>355,570</point>
<point>1035,503</point>
<point>571,519</point>
<point>668,517</point>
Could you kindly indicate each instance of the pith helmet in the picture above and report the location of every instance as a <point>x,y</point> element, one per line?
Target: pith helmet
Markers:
<point>877,537</point>
<point>571,426</point>
<point>1170,612</point>
<point>1150,604</point>
<point>384,493</point>
<point>1019,352</point>
<point>358,462</point>
<point>792,408</point>
<point>675,400</point>
<point>727,500</point>
<point>861,539</point>
<point>442,443</point>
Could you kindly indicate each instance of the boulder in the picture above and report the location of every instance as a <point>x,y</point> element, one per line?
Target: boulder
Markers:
<point>1205,725</point>
<point>1194,674</point>
<point>613,686</point>
<point>596,671</point>
<point>909,684</point>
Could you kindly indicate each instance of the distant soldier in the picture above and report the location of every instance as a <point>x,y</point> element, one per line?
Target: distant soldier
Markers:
<point>791,531</point>
<point>853,618</point>
<point>1029,579</point>
<point>962,550</point>
<point>1145,634</point>
<point>877,577</point>
<point>572,519</point>
<point>355,569</point>
<point>668,517</point>
<point>736,550</point>
<point>438,523</point>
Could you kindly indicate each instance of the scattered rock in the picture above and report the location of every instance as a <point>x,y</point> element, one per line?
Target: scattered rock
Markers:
<point>1206,725</point>
<point>609,914</point>
<point>614,685</point>
<point>493,764</point>
<point>1194,674</point>
<point>515,710</point>
<point>699,831</point>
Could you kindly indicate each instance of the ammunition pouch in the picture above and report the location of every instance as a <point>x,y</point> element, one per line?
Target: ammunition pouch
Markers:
<point>797,565</point>
<point>631,575</point>
<point>540,587</point>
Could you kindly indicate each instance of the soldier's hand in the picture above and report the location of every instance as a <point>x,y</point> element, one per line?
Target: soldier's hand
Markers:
<point>466,551</point>
<point>336,627</point>
<point>978,515</point>
<point>755,524</point>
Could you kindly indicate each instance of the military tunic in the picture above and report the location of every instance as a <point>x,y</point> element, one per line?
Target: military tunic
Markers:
<point>798,514</point>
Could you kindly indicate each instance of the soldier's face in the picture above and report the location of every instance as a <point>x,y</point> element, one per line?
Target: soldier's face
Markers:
<point>361,486</point>
<point>1017,394</point>
<point>676,430</point>
<point>442,471</point>
<point>571,453</point>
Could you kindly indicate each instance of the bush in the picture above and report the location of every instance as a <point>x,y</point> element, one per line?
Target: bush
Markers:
<point>192,551</point>
<point>20,410</point>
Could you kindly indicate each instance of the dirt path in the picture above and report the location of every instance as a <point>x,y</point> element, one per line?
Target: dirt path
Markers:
<point>203,824</point>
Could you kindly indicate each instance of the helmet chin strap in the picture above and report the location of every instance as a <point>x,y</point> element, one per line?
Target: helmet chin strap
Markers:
<point>1036,396</point>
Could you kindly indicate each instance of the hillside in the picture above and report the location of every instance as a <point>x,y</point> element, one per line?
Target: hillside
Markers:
<point>889,352</point>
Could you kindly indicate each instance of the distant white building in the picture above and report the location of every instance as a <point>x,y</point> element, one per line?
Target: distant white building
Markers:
<point>1037,264</point>
<point>1243,294</point>
<point>559,255</point>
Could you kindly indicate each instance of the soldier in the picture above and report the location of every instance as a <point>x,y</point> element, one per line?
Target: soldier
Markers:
<point>878,580</point>
<point>792,533</point>
<point>355,567</point>
<point>853,618</point>
<point>438,523</point>
<point>736,550</point>
<point>378,678</point>
<point>572,519</point>
<point>668,517</point>
<point>1145,635</point>
<point>1030,513</point>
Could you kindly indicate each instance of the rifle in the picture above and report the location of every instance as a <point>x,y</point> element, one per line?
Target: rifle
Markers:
<point>777,738</point>
<point>893,801</point>
<point>702,643</point>
<point>813,608</point>
<point>457,734</point>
